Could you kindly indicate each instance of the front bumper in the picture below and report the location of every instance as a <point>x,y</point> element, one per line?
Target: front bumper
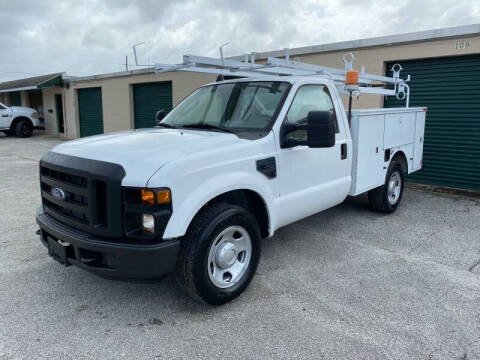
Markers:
<point>108,258</point>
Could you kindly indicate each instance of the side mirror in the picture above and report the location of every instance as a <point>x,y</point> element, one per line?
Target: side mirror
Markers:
<point>160,115</point>
<point>320,129</point>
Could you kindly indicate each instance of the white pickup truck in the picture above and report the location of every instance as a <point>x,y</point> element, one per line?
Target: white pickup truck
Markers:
<point>18,120</point>
<point>227,167</point>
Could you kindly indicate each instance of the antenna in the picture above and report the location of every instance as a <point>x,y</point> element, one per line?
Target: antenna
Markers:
<point>135,54</point>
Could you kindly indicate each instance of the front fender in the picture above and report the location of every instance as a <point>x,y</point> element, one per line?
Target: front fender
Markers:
<point>187,205</point>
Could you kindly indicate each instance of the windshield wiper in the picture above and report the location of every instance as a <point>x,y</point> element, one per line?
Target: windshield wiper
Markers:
<point>208,126</point>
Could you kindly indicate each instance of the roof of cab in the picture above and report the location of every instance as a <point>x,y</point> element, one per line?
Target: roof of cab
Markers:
<point>290,79</point>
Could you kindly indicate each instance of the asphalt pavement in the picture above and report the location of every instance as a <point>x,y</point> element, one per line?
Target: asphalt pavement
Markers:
<point>343,284</point>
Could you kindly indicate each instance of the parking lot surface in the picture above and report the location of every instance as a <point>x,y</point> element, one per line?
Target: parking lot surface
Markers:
<point>343,284</point>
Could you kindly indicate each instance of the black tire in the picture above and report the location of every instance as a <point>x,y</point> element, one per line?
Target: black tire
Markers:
<point>9,132</point>
<point>23,129</point>
<point>379,198</point>
<point>192,262</point>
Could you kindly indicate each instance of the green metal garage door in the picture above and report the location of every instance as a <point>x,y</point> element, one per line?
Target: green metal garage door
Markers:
<point>148,99</point>
<point>450,88</point>
<point>90,111</point>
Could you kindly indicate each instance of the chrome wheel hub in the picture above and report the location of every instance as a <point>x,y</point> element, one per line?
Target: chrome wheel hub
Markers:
<point>229,256</point>
<point>394,188</point>
<point>225,255</point>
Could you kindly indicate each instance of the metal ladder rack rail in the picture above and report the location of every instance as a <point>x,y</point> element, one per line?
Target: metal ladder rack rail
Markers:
<point>276,67</point>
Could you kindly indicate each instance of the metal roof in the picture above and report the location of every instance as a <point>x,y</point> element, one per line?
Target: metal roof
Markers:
<point>400,39</point>
<point>147,70</point>
<point>36,82</point>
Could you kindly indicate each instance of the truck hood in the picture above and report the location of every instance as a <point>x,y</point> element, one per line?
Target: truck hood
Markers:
<point>22,109</point>
<point>143,152</point>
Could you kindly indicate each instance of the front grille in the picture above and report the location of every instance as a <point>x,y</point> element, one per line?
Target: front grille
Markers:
<point>82,193</point>
<point>75,205</point>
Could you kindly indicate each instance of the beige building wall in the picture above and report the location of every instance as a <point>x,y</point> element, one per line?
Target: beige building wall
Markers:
<point>374,59</point>
<point>6,99</point>
<point>117,97</point>
<point>50,110</point>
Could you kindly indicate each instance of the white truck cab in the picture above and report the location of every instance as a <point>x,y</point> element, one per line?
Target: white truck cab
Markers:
<point>18,120</point>
<point>232,163</point>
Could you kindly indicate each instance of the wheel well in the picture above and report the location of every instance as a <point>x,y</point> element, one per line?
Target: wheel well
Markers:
<point>402,159</point>
<point>17,119</point>
<point>249,200</point>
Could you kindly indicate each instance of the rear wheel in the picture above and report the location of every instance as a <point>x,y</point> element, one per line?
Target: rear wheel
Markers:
<point>24,129</point>
<point>219,254</point>
<point>387,197</point>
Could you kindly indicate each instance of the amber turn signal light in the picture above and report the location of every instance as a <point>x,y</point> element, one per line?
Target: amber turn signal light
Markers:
<point>147,197</point>
<point>164,197</point>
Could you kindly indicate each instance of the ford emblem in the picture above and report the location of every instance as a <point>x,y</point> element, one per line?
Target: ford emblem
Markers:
<point>58,194</point>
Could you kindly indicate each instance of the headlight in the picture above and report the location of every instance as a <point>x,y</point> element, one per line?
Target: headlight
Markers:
<point>146,212</point>
<point>34,115</point>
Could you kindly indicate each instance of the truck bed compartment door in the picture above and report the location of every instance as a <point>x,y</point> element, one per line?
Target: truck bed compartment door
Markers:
<point>369,152</point>
<point>399,129</point>
<point>419,139</point>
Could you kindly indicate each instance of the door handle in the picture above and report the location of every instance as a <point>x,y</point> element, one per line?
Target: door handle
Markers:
<point>343,151</point>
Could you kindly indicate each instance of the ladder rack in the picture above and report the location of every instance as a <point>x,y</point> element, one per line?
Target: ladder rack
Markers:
<point>275,67</point>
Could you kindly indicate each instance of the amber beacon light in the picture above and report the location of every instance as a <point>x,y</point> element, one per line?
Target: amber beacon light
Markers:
<point>351,77</point>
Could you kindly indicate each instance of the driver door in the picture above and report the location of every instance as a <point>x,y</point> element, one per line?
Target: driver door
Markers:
<point>312,179</point>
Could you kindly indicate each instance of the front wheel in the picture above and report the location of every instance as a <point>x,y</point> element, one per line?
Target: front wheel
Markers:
<point>387,197</point>
<point>24,129</point>
<point>219,254</point>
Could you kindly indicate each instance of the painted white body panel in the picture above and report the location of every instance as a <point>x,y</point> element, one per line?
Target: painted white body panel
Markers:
<point>376,130</point>
<point>312,180</point>
<point>9,114</point>
<point>200,165</point>
<point>143,152</point>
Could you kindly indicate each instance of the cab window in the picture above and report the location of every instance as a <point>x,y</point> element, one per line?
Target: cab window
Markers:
<point>308,98</point>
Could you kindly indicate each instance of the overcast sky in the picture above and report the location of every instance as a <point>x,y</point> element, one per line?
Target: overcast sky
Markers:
<point>92,37</point>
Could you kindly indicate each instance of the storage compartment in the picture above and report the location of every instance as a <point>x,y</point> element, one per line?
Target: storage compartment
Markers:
<point>376,135</point>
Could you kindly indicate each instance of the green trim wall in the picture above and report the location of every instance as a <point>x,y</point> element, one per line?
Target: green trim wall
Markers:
<point>90,111</point>
<point>148,98</point>
<point>450,88</point>
<point>54,81</point>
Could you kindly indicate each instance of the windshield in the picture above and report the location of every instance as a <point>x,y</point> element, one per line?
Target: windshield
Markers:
<point>232,107</point>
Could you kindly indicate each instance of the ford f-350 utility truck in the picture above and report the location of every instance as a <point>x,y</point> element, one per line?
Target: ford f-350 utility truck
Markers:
<point>227,167</point>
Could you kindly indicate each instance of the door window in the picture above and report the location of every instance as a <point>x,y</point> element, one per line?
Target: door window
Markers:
<point>308,98</point>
